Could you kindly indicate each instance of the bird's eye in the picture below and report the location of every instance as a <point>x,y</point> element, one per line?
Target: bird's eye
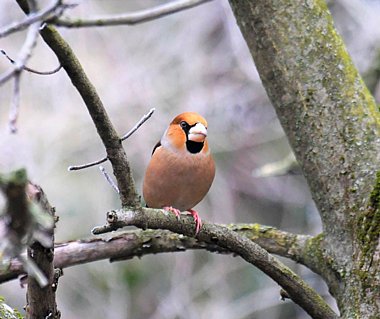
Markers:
<point>183,124</point>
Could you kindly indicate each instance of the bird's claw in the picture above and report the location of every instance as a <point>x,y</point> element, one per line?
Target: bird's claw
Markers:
<point>197,220</point>
<point>192,212</point>
<point>173,210</point>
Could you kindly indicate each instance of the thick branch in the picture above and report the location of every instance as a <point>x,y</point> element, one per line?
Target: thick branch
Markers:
<point>41,301</point>
<point>297,289</point>
<point>21,223</point>
<point>130,18</point>
<point>329,116</point>
<point>128,244</point>
<point>105,129</point>
<point>333,126</point>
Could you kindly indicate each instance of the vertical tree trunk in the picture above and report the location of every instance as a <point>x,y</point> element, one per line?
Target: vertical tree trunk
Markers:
<point>333,126</point>
<point>41,301</point>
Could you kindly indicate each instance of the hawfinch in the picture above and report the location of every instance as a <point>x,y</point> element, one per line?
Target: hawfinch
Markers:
<point>181,169</point>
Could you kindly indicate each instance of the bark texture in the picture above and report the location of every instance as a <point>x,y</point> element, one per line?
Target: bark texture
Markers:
<point>333,126</point>
<point>295,288</point>
<point>41,301</point>
<point>129,244</point>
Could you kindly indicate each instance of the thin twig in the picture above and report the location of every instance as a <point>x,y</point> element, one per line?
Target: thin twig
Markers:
<point>83,166</point>
<point>15,105</point>
<point>123,138</point>
<point>109,179</point>
<point>19,64</point>
<point>30,69</point>
<point>40,16</point>
<point>130,18</point>
<point>138,124</point>
<point>25,52</point>
<point>105,129</point>
<point>277,168</point>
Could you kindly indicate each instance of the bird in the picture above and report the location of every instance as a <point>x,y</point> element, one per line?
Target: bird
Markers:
<point>181,169</point>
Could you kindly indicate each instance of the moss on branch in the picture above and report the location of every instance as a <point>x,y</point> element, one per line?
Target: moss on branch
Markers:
<point>230,240</point>
<point>137,243</point>
<point>368,232</point>
<point>333,125</point>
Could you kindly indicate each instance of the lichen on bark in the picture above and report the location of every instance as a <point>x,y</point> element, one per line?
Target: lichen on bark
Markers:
<point>333,125</point>
<point>368,234</point>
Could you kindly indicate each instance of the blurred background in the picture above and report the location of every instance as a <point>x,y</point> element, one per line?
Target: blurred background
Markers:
<point>194,60</point>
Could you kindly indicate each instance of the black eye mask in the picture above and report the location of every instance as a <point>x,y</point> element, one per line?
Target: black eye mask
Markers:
<point>192,147</point>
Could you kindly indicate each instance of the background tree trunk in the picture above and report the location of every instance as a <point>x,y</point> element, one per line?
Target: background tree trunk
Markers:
<point>333,125</point>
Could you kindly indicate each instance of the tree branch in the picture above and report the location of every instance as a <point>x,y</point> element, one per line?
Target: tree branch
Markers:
<point>297,289</point>
<point>105,129</point>
<point>21,224</point>
<point>123,138</point>
<point>15,72</point>
<point>128,244</point>
<point>329,116</point>
<point>41,302</point>
<point>15,104</point>
<point>30,69</point>
<point>24,54</point>
<point>130,18</point>
<point>333,125</point>
<point>39,17</point>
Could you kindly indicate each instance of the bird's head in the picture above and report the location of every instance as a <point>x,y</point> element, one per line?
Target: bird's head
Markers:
<point>188,131</point>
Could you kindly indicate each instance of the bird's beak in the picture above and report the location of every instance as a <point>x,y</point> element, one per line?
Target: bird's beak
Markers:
<point>198,133</point>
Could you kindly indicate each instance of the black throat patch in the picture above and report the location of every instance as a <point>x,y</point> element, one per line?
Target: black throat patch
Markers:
<point>194,147</point>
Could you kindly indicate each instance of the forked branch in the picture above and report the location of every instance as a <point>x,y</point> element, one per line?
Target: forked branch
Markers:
<point>299,291</point>
<point>123,138</point>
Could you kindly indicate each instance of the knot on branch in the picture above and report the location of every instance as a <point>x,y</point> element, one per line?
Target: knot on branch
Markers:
<point>112,217</point>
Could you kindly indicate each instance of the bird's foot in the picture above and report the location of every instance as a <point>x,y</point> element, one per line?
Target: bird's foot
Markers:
<point>173,210</point>
<point>197,219</point>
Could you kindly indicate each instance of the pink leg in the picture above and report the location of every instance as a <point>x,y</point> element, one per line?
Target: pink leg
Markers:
<point>197,219</point>
<point>173,210</point>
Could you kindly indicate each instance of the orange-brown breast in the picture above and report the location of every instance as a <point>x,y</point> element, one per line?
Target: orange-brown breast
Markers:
<point>178,178</point>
